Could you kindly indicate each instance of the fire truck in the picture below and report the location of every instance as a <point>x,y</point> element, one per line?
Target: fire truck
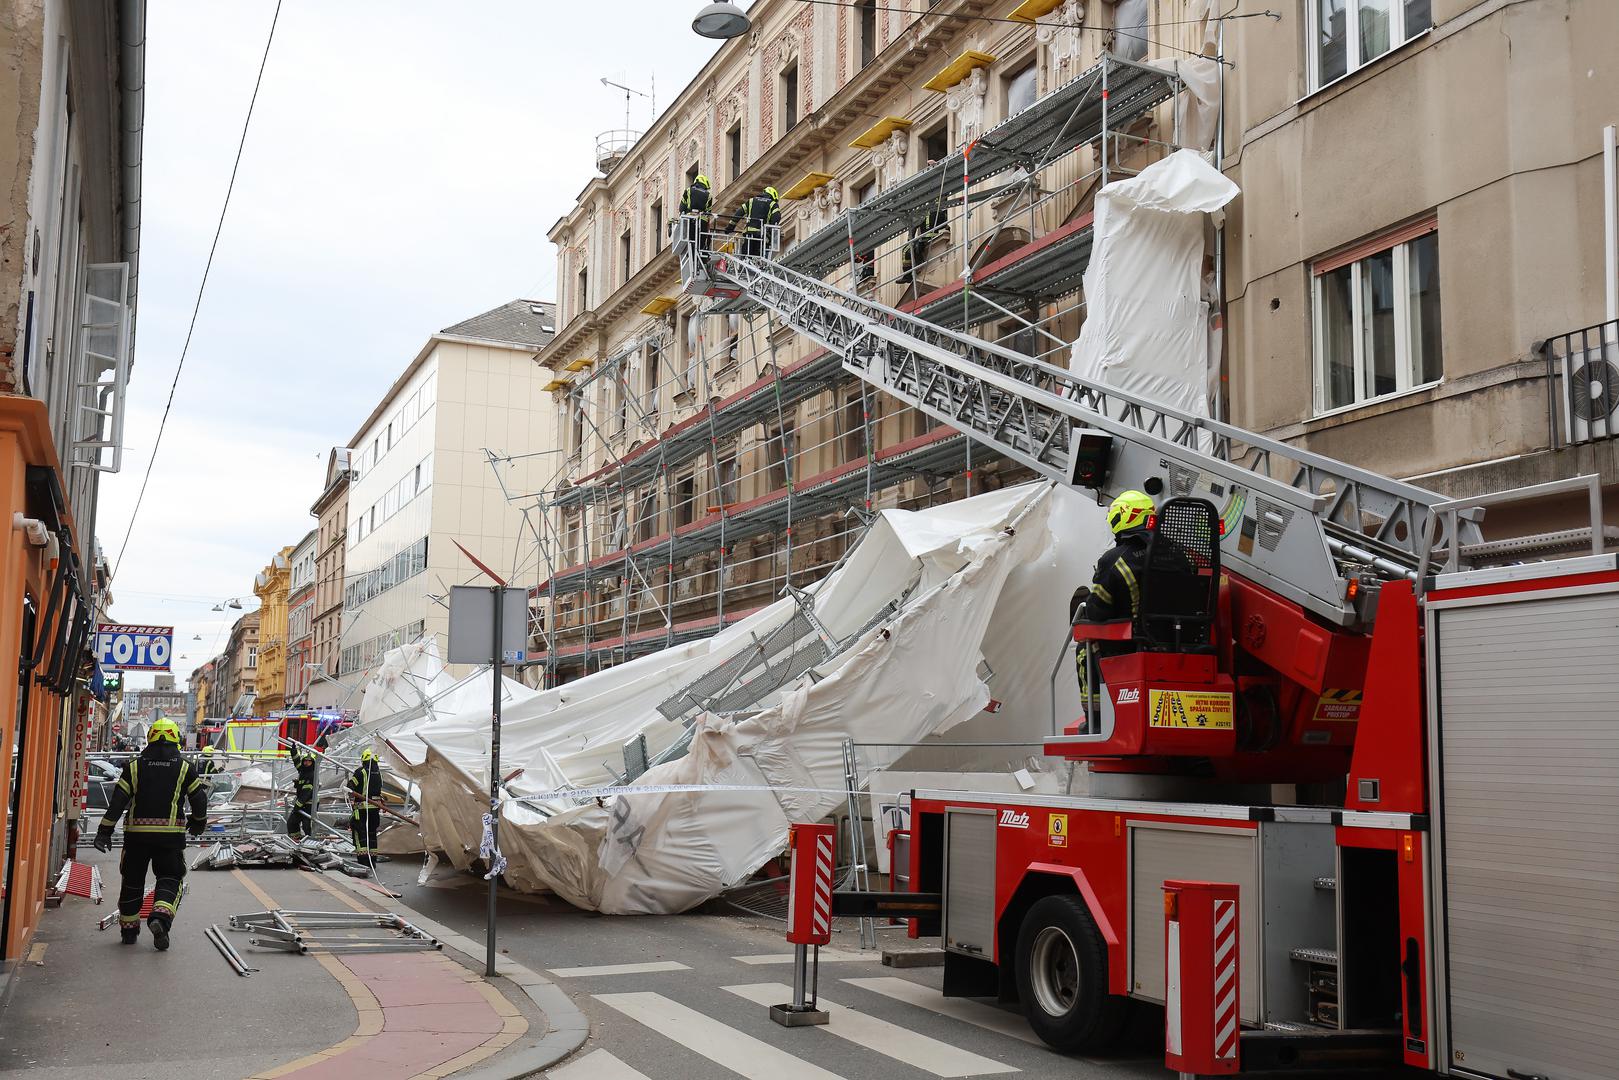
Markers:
<point>1391,739</point>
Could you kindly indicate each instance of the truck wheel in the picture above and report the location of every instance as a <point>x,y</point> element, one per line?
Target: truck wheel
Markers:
<point>1062,977</point>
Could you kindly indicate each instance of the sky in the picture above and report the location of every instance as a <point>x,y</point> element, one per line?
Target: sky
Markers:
<point>404,163</point>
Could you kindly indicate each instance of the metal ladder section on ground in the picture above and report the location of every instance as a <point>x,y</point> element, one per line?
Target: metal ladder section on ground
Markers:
<point>1310,528</point>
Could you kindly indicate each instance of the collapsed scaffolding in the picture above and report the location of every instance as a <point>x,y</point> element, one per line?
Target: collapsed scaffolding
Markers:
<point>651,549</point>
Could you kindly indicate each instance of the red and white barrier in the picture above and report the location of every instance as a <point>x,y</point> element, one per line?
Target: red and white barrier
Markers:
<point>1202,981</point>
<point>809,890</point>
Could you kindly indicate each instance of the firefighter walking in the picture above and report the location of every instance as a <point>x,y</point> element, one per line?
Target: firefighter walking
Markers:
<point>365,795</point>
<point>152,788</point>
<point>301,822</point>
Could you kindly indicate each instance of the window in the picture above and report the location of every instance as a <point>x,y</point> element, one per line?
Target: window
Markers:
<point>789,97</point>
<point>1377,319</point>
<point>429,394</point>
<point>576,427</point>
<point>868,30</point>
<point>935,144</point>
<point>852,421</point>
<point>691,174</point>
<point>779,452</point>
<point>864,192</point>
<point>657,225</point>
<point>584,289</point>
<point>390,435</point>
<point>685,499</point>
<point>624,268</point>
<point>650,375</point>
<point>733,150</point>
<point>1019,88</point>
<point>1130,24</point>
<point>646,515</point>
<point>725,475</point>
<point>252,656</point>
<point>1352,33</point>
<point>416,485</point>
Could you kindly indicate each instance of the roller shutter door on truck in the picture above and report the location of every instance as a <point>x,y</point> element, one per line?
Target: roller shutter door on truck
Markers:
<point>1529,783</point>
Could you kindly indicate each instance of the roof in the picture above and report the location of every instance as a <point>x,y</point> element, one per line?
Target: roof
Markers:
<point>521,322</point>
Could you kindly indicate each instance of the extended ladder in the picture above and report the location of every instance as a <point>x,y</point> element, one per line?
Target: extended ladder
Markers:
<point>1303,525</point>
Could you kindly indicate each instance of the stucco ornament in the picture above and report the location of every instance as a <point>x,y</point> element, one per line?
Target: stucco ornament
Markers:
<point>889,158</point>
<point>966,101</point>
<point>828,202</point>
<point>1060,33</point>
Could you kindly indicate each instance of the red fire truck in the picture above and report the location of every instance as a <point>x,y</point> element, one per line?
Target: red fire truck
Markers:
<point>1390,740</point>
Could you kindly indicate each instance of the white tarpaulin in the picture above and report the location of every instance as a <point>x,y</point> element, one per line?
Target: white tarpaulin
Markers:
<point>986,578</point>
<point>1147,324</point>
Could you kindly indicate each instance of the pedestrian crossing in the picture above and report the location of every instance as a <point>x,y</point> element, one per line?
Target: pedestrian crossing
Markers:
<point>971,1041</point>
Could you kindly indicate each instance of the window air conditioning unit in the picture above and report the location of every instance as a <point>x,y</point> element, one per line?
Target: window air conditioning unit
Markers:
<point>1591,393</point>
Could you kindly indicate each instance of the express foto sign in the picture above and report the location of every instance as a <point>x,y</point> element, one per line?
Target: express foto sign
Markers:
<point>134,648</point>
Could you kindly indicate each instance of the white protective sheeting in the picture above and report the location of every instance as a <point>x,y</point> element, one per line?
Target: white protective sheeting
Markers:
<point>1000,565</point>
<point>1147,325</point>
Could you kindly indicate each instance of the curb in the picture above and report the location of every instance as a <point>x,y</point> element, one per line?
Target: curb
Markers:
<point>566,1027</point>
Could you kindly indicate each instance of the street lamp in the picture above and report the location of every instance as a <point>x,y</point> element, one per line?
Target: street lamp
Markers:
<point>722,21</point>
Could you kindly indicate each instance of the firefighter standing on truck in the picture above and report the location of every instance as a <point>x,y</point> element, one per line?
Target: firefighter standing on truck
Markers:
<point>154,788</point>
<point>301,822</point>
<point>1115,591</point>
<point>365,793</point>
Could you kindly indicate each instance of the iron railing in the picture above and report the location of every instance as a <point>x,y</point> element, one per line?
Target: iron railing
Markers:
<point>1582,385</point>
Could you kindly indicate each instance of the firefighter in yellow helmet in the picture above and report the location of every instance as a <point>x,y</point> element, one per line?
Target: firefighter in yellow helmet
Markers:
<point>154,788</point>
<point>696,205</point>
<point>761,215</point>
<point>365,796</point>
<point>1116,585</point>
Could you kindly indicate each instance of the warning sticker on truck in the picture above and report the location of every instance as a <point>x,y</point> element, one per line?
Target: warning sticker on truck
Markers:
<point>1339,705</point>
<point>1207,710</point>
<point>1057,830</point>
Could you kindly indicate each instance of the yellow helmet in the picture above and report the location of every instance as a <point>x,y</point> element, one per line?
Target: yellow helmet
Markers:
<point>163,731</point>
<point>208,749</point>
<point>701,179</point>
<point>1129,511</point>
<point>368,754</point>
<point>772,192</point>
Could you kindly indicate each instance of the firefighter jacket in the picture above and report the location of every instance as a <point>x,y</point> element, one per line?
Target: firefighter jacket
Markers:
<point>365,786</point>
<point>761,210</point>
<point>1116,585</point>
<point>304,789</point>
<point>153,788</point>
<point>696,199</point>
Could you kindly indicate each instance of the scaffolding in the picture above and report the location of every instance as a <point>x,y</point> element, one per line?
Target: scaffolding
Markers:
<point>692,525</point>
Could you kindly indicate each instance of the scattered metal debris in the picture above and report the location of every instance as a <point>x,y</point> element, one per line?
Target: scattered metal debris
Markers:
<point>228,951</point>
<point>265,852</point>
<point>332,931</point>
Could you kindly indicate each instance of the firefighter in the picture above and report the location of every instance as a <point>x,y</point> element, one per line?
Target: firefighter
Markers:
<point>694,211</point>
<point>365,794</point>
<point>760,215</point>
<point>152,787</point>
<point>301,822</point>
<point>915,253</point>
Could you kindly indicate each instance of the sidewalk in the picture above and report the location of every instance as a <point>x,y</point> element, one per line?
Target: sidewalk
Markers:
<point>95,1008</point>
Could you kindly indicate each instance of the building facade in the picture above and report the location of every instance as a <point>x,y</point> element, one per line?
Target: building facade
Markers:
<point>71,99</point>
<point>236,671</point>
<point>423,480</point>
<point>326,688</point>
<point>1395,286</point>
<point>270,679</point>
<point>145,706</point>
<point>301,620</point>
<point>201,685</point>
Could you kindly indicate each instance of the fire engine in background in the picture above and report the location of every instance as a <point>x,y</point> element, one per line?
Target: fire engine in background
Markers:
<point>1394,737</point>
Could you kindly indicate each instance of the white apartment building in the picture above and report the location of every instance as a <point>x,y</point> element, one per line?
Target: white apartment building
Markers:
<point>422,478</point>
<point>301,618</point>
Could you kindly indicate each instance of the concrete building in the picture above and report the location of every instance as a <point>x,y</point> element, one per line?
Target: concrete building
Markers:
<point>72,84</point>
<point>236,671</point>
<point>301,620</point>
<point>200,689</point>
<point>713,459</point>
<point>145,705</point>
<point>331,513</point>
<point>422,479</point>
<point>270,586</point>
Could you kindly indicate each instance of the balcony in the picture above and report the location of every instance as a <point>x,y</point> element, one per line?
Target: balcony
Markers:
<point>1582,384</point>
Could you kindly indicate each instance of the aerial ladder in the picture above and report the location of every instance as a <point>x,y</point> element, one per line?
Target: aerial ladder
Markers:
<point>1307,542</point>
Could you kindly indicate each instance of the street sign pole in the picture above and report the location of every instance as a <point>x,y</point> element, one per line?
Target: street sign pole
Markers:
<point>497,605</point>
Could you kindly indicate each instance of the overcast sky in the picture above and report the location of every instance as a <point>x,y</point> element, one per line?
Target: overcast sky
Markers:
<point>404,163</point>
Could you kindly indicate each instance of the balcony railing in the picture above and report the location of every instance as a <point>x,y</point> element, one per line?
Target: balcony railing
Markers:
<point>1582,384</point>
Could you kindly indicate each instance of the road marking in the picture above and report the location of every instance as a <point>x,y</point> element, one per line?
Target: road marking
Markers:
<point>596,1065</point>
<point>618,969</point>
<point>827,956</point>
<point>725,1046</point>
<point>901,1044</point>
<point>971,1012</point>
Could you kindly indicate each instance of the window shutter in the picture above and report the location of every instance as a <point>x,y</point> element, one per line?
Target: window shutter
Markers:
<point>1371,246</point>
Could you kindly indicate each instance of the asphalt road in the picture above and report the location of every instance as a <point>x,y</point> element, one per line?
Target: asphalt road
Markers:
<point>687,996</point>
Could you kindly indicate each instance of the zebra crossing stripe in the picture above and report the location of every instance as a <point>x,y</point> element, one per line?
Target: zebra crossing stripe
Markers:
<point>596,1065</point>
<point>976,1013</point>
<point>726,1047</point>
<point>891,1040</point>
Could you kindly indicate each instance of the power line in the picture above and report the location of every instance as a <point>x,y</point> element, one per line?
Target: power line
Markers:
<point>196,307</point>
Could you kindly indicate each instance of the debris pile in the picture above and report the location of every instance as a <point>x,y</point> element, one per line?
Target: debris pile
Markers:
<point>270,851</point>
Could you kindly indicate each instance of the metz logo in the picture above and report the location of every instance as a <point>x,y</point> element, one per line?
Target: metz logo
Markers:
<point>1014,819</point>
<point>1128,696</point>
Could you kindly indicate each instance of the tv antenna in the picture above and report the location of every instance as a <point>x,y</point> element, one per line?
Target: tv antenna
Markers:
<point>652,98</point>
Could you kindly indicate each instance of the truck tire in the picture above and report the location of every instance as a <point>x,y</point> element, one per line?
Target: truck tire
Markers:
<point>1062,977</point>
